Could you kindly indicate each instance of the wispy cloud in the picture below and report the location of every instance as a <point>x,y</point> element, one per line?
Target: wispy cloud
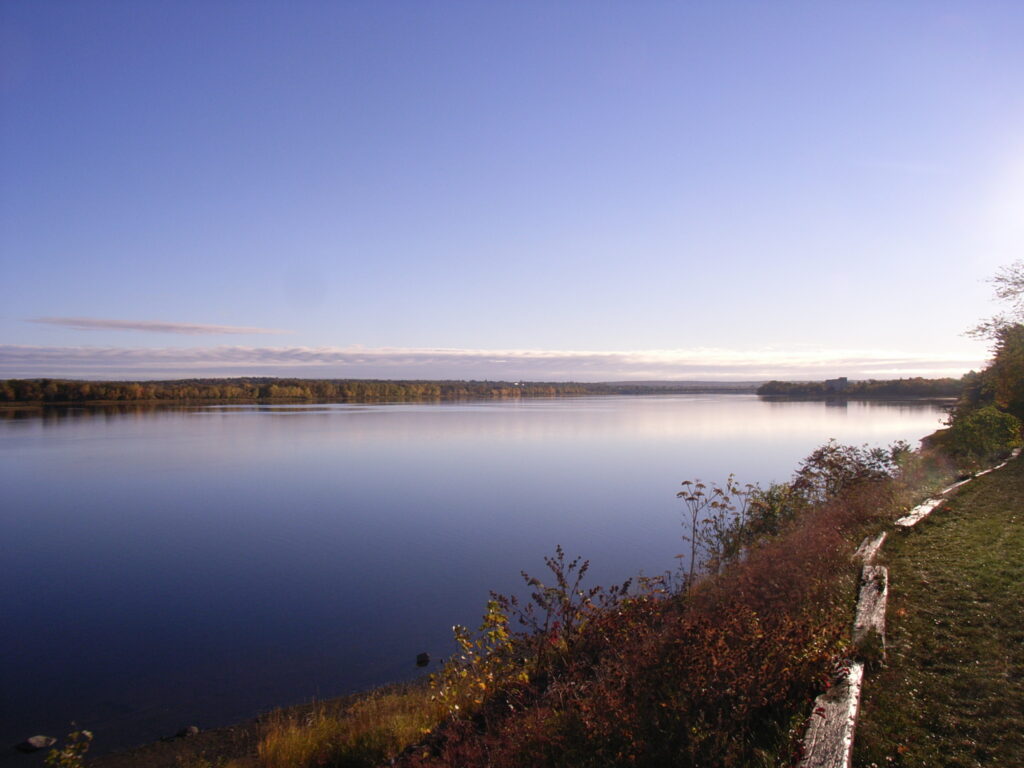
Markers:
<point>149,326</point>
<point>554,365</point>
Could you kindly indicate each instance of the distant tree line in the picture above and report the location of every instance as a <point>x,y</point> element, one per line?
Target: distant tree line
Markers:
<point>317,390</point>
<point>869,388</point>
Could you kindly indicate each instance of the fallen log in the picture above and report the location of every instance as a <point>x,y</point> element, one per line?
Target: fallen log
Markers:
<point>919,513</point>
<point>869,622</point>
<point>868,549</point>
<point>828,742</point>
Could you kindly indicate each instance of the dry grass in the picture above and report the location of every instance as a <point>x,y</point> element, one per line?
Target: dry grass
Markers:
<point>368,733</point>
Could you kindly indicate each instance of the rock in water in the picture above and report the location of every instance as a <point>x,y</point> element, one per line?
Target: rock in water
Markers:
<point>35,743</point>
<point>422,659</point>
<point>191,730</point>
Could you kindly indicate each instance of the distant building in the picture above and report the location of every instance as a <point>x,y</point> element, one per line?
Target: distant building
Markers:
<point>833,386</point>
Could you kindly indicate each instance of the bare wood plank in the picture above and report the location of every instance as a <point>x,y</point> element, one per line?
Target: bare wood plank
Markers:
<point>868,549</point>
<point>919,513</point>
<point>1013,455</point>
<point>828,742</point>
<point>869,622</point>
<point>954,486</point>
<point>997,466</point>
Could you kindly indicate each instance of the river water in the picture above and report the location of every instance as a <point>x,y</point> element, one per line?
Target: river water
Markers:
<point>169,566</point>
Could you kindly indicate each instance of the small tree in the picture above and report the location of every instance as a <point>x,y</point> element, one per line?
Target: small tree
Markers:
<point>483,664</point>
<point>833,467</point>
<point>983,433</point>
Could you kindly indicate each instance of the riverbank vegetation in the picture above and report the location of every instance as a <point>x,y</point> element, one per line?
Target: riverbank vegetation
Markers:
<point>714,664</point>
<point>252,389</point>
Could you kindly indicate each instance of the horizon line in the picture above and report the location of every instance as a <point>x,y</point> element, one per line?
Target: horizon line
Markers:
<point>698,364</point>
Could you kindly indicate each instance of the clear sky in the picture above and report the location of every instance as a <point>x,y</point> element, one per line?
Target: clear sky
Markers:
<point>573,190</point>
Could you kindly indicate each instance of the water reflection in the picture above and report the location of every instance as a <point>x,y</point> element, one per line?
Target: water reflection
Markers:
<point>54,414</point>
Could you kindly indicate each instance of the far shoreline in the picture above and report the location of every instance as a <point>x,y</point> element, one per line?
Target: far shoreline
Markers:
<point>30,393</point>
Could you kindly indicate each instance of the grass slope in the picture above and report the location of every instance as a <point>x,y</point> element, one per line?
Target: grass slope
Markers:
<point>952,693</point>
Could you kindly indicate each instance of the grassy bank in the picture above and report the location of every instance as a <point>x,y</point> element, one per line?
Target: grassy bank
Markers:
<point>952,692</point>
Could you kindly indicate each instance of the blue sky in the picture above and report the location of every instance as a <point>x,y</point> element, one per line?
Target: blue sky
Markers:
<point>575,190</point>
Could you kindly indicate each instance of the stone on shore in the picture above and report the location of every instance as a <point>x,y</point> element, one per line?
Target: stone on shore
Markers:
<point>35,743</point>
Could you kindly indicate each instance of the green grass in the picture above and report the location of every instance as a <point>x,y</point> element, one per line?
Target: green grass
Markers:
<point>952,692</point>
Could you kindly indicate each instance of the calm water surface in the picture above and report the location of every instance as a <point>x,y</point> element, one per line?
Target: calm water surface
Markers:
<point>176,566</point>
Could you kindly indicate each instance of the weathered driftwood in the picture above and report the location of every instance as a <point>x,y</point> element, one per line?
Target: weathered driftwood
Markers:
<point>828,742</point>
<point>954,486</point>
<point>919,513</point>
<point>990,469</point>
<point>868,549</point>
<point>869,623</point>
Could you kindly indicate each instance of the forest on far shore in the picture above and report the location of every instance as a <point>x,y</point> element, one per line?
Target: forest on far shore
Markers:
<point>250,389</point>
<point>869,388</point>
